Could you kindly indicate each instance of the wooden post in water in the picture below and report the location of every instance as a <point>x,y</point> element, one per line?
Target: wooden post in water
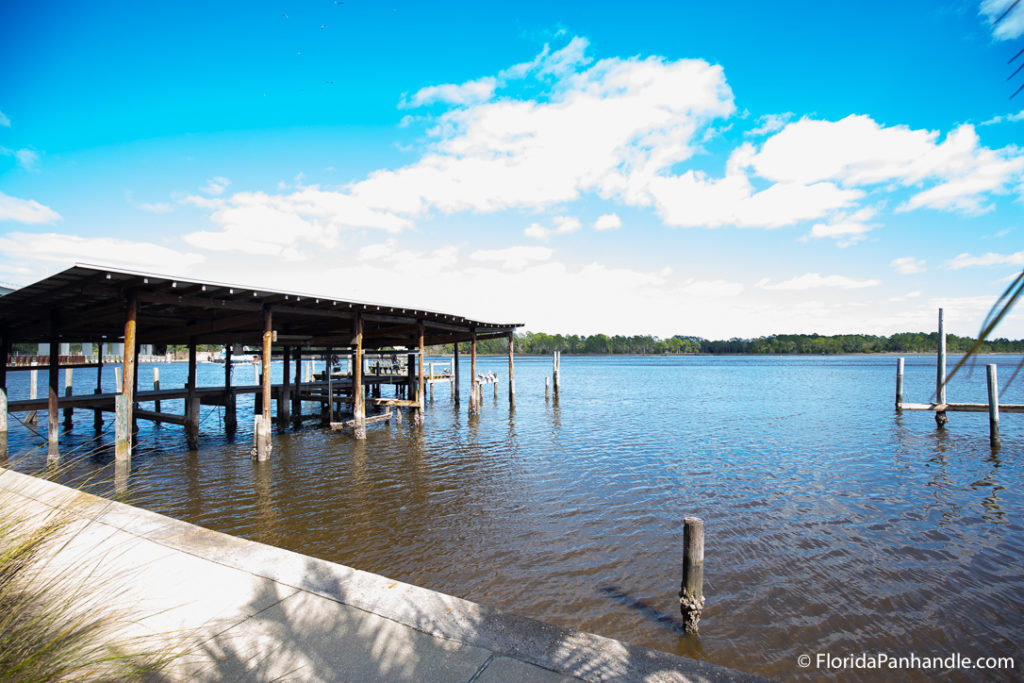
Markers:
<point>297,393</point>
<point>474,396</point>
<point>993,406</point>
<point>691,591</point>
<point>511,371</point>
<point>940,375</point>
<point>455,373</point>
<point>431,368</point>
<point>69,378</point>
<point>556,371</point>
<point>547,388</point>
<point>156,387</point>
<point>230,398</point>
<point>124,407</point>
<point>284,393</point>
<point>5,351</point>
<point>33,392</point>
<point>3,417</point>
<point>899,385</point>
<point>52,425</point>
<point>192,399</point>
<point>117,379</point>
<point>263,445</point>
<point>420,394</point>
<point>97,413</point>
<point>358,409</point>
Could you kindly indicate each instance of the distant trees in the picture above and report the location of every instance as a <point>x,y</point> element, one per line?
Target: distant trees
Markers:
<point>541,343</point>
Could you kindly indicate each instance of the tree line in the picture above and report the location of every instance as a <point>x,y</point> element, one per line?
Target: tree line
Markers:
<point>540,343</point>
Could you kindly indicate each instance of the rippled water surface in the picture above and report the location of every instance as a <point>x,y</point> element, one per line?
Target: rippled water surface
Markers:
<point>832,524</point>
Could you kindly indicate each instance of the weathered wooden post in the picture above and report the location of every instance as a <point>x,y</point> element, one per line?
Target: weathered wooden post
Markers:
<point>230,398</point>
<point>3,412</point>
<point>431,368</point>
<point>263,446</point>
<point>123,404</point>
<point>556,371</point>
<point>297,393</point>
<point>420,393</point>
<point>474,396</point>
<point>899,385</point>
<point>52,425</point>
<point>33,393</point>
<point>993,406</point>
<point>284,393</point>
<point>192,399</point>
<point>358,408</point>
<point>5,351</point>
<point>156,387</point>
<point>69,375</point>
<point>455,373</point>
<point>547,388</point>
<point>691,591</point>
<point>117,379</point>
<point>97,413</point>
<point>940,376</point>
<point>511,371</point>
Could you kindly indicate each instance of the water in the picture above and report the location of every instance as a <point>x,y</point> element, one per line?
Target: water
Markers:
<point>832,524</point>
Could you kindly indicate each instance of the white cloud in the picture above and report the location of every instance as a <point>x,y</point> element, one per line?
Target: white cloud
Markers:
<point>155,207</point>
<point>815,281</point>
<point>67,249</point>
<point>908,265</point>
<point>513,258</point>
<point>769,123</point>
<point>4,121</point>
<point>1011,25</point>
<point>1009,118</point>
<point>856,151</point>
<point>28,159</point>
<point>965,260</point>
<point>846,228</point>
<point>470,92</point>
<point>25,210</point>
<point>563,225</point>
<point>215,186</point>
<point>608,221</point>
<point>906,297</point>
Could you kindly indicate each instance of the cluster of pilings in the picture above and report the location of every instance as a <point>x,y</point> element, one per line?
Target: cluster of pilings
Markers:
<point>941,406</point>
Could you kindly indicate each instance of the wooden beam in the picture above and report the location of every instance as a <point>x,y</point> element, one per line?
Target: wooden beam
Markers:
<point>358,409</point>
<point>123,421</point>
<point>53,426</point>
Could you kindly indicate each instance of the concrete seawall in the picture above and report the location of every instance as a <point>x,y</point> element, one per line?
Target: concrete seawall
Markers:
<point>256,612</point>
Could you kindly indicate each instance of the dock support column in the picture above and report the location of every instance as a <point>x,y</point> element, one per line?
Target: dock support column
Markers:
<point>191,400</point>
<point>230,402</point>
<point>358,409</point>
<point>455,373</point>
<point>297,392</point>
<point>69,378</point>
<point>691,592</point>
<point>418,417</point>
<point>284,415</point>
<point>124,405</point>
<point>899,385</point>
<point>97,413</point>
<point>5,351</point>
<point>511,371</point>
<point>556,372</point>
<point>53,426</point>
<point>940,375</point>
<point>33,393</point>
<point>263,445</point>
<point>156,387</point>
<point>993,406</point>
<point>474,395</point>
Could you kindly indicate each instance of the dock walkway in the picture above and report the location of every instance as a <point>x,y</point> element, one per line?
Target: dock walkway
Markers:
<point>250,611</point>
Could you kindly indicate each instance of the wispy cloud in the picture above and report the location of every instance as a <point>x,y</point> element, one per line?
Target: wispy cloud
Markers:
<point>470,92</point>
<point>908,265</point>
<point>769,123</point>
<point>815,281</point>
<point>965,260</point>
<point>513,258</point>
<point>4,121</point>
<point>215,186</point>
<point>25,210</point>
<point>563,226</point>
<point>608,221</point>
<point>155,207</point>
<point>28,159</point>
<point>1004,118</point>
<point>1008,13</point>
<point>66,249</point>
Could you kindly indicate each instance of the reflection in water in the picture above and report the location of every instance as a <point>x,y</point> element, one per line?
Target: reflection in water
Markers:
<point>833,524</point>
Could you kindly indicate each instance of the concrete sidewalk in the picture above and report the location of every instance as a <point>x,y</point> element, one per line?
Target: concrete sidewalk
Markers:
<point>250,611</point>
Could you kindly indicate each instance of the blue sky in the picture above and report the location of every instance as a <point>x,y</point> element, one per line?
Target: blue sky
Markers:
<point>716,169</point>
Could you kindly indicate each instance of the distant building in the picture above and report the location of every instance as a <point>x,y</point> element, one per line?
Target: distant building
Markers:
<point>5,289</point>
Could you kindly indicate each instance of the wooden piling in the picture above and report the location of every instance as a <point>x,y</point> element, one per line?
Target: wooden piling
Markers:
<point>547,388</point>
<point>117,379</point>
<point>122,428</point>
<point>5,351</point>
<point>691,590</point>
<point>156,387</point>
<point>33,392</point>
<point>899,385</point>
<point>97,413</point>
<point>511,371</point>
<point>192,399</point>
<point>69,378</point>
<point>993,405</point>
<point>556,379</point>
<point>230,398</point>
<point>940,375</point>
<point>264,446</point>
<point>284,394</point>
<point>420,394</point>
<point>358,407</point>
<point>297,393</point>
<point>3,412</point>
<point>474,397</point>
<point>431,368</point>
<point>455,373</point>
<point>53,426</point>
